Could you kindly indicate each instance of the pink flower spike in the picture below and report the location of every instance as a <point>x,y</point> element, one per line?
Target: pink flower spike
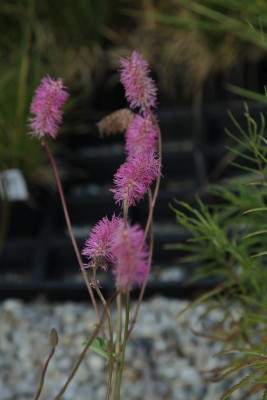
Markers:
<point>139,87</point>
<point>131,265</point>
<point>141,136</point>
<point>46,105</point>
<point>98,246</point>
<point>134,177</point>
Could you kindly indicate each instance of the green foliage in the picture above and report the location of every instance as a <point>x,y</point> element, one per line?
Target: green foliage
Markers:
<point>257,367</point>
<point>100,346</point>
<point>65,38</point>
<point>228,240</point>
<point>209,38</point>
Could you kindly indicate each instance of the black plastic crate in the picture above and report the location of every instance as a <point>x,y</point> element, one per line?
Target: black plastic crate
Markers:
<point>38,257</point>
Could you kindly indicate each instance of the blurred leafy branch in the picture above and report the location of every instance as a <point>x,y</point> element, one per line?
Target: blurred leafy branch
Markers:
<point>198,40</point>
<point>228,241</point>
<point>81,40</point>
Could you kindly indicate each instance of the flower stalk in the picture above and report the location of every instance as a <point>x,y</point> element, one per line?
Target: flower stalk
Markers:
<point>114,243</point>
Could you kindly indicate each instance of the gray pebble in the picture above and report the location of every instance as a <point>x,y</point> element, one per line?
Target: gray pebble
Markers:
<point>164,358</point>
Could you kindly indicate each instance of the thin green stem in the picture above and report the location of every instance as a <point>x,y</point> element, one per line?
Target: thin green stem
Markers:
<point>149,224</point>
<point>66,213</point>
<point>142,291</point>
<point>125,213</point>
<point>125,337</point>
<point>119,319</point>
<point>156,191</point>
<point>117,346</point>
<point>110,327</point>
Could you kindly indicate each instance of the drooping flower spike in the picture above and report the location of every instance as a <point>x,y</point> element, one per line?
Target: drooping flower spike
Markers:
<point>140,89</point>
<point>134,177</point>
<point>131,265</point>
<point>97,247</point>
<point>46,105</point>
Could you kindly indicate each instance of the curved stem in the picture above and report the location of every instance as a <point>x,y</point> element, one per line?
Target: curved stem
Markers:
<point>86,347</point>
<point>156,191</point>
<point>66,213</point>
<point>54,342</point>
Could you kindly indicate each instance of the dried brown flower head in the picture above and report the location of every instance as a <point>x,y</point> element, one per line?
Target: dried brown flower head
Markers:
<point>116,122</point>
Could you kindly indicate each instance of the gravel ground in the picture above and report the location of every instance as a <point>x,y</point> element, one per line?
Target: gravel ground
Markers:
<point>164,358</point>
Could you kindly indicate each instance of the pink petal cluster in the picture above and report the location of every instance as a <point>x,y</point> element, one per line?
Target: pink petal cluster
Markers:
<point>141,135</point>
<point>134,177</point>
<point>98,246</point>
<point>140,88</point>
<point>131,265</point>
<point>46,105</point>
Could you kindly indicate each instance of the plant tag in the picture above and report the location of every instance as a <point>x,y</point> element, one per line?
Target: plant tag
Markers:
<point>13,185</point>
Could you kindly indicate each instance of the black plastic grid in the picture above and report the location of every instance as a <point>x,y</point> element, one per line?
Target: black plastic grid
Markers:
<point>38,257</point>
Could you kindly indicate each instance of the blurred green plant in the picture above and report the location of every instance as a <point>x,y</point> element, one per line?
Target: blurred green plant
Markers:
<point>65,39</point>
<point>15,89</point>
<point>228,241</point>
<point>192,42</point>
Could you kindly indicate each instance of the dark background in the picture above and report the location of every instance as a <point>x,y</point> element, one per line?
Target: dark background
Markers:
<point>195,51</point>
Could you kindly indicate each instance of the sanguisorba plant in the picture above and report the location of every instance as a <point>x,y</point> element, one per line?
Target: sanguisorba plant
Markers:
<point>228,241</point>
<point>113,242</point>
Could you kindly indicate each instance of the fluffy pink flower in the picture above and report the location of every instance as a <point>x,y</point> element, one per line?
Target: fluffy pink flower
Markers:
<point>141,136</point>
<point>46,105</point>
<point>98,246</point>
<point>134,177</point>
<point>140,88</point>
<point>131,265</point>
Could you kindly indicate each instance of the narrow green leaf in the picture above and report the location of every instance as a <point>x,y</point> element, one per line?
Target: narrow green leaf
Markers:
<point>255,210</point>
<point>242,155</point>
<point>261,98</point>
<point>256,362</point>
<point>241,383</point>
<point>245,168</point>
<point>263,253</point>
<point>255,233</point>
<point>100,346</point>
<point>253,352</point>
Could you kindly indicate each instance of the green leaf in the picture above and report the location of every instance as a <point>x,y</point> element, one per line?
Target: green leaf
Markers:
<point>253,352</point>
<point>241,383</point>
<point>261,98</point>
<point>100,346</point>
<point>261,362</point>
<point>255,233</point>
<point>255,210</point>
<point>263,253</point>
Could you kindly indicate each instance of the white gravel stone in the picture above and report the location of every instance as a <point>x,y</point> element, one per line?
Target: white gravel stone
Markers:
<point>165,360</point>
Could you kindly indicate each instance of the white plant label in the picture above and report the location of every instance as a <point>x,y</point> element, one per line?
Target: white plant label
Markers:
<point>13,185</point>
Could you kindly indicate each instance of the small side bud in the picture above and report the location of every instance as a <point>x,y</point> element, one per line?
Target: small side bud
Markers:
<point>53,337</point>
